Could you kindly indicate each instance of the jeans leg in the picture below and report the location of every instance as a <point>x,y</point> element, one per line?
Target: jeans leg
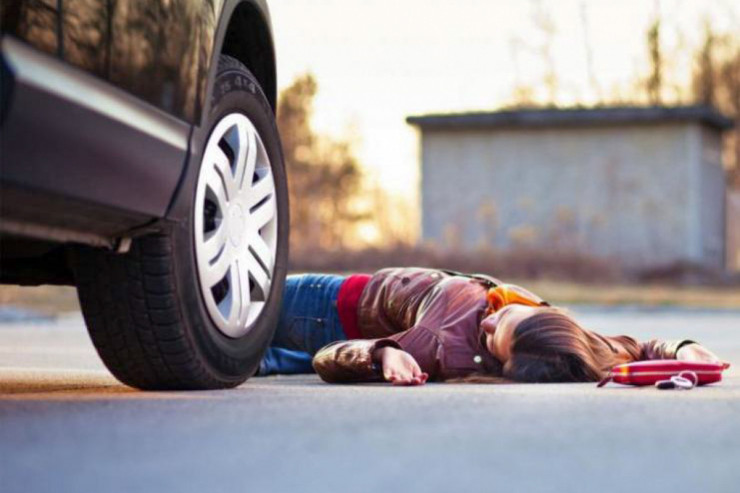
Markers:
<point>308,321</point>
<point>308,317</point>
<point>284,361</point>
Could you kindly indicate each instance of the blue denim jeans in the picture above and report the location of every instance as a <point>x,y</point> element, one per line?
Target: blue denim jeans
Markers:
<point>308,321</point>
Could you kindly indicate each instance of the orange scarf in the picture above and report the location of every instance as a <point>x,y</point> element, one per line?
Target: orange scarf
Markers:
<point>507,294</point>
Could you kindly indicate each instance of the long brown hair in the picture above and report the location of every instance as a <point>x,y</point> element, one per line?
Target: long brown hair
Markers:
<point>550,346</point>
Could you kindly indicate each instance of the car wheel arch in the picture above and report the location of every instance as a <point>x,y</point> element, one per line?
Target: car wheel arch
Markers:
<point>247,37</point>
<point>244,32</point>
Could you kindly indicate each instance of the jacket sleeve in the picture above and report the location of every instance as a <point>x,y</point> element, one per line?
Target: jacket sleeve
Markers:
<point>631,350</point>
<point>658,349</point>
<point>350,361</point>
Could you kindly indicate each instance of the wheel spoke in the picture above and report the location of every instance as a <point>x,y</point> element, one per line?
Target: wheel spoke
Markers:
<point>241,155</point>
<point>258,273</point>
<point>218,270</point>
<point>264,213</point>
<point>223,166</point>
<point>214,182</point>
<point>236,295</point>
<point>261,190</point>
<point>245,180</point>
<point>245,297</point>
<point>215,243</point>
<point>260,249</point>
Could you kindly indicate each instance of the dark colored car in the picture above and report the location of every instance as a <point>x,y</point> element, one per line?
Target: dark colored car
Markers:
<point>140,162</point>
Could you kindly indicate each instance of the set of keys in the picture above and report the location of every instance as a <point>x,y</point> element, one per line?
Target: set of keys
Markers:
<point>686,380</point>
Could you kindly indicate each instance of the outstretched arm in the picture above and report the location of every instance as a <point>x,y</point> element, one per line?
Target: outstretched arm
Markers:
<point>350,361</point>
<point>696,352</point>
<point>368,361</point>
<point>659,349</point>
<point>686,350</point>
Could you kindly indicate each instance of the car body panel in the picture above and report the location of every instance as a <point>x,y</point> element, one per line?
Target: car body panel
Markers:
<point>161,51</point>
<point>103,114</point>
<point>91,77</point>
<point>70,134</point>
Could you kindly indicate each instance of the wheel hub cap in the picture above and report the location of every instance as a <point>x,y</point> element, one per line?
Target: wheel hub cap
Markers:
<point>235,225</point>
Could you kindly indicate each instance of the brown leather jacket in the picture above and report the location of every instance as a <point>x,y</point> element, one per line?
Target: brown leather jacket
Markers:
<point>435,317</point>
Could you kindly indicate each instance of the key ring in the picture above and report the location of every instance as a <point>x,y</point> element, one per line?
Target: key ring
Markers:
<point>686,380</point>
<point>691,376</point>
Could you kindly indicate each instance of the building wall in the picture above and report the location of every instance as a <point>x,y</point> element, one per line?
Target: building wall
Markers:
<point>733,230</point>
<point>713,200</point>
<point>625,192</point>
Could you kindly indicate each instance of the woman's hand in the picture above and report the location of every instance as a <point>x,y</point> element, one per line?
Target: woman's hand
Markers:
<point>399,367</point>
<point>696,352</point>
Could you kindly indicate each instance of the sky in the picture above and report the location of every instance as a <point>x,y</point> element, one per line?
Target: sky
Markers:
<point>378,61</point>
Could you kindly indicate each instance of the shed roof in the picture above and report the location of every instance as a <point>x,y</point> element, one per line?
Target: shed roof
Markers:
<point>576,117</point>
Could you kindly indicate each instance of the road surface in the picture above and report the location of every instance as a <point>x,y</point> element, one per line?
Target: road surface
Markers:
<point>67,426</point>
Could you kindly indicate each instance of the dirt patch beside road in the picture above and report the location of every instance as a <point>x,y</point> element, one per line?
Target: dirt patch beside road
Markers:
<point>46,300</point>
<point>53,300</point>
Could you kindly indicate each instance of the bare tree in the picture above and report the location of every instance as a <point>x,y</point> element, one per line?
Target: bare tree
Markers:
<point>323,174</point>
<point>654,83</point>
<point>705,77</point>
<point>544,23</point>
<point>593,81</point>
<point>524,95</point>
<point>716,82</point>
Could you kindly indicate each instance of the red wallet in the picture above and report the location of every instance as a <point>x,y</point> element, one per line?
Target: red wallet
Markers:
<point>649,372</point>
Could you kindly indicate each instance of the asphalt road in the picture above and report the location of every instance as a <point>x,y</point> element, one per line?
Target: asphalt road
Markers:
<point>67,426</point>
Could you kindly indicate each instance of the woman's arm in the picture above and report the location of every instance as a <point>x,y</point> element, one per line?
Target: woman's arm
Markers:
<point>696,352</point>
<point>368,361</point>
<point>351,361</point>
<point>684,350</point>
<point>659,349</point>
<point>407,358</point>
<point>628,349</point>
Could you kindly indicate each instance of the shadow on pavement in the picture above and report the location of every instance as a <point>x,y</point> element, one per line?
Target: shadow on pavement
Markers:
<point>24,384</point>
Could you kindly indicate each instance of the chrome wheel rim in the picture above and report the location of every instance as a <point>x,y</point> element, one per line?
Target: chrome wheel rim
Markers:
<point>235,225</point>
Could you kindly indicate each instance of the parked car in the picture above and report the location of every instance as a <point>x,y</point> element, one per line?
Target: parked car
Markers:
<point>140,162</point>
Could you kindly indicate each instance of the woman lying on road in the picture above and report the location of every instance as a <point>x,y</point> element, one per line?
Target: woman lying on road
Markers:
<point>410,325</point>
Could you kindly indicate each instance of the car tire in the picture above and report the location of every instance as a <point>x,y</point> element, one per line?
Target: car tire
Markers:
<point>159,315</point>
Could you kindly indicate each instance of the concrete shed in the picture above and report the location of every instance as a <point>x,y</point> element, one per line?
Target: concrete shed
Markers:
<point>644,186</point>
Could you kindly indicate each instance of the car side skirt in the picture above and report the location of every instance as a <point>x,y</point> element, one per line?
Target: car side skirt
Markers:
<point>76,138</point>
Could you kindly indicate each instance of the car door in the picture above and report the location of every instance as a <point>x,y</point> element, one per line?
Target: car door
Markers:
<point>149,48</point>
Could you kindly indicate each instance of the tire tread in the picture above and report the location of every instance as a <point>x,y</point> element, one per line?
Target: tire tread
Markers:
<point>133,319</point>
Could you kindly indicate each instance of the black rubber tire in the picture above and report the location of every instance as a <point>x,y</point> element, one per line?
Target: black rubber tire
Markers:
<point>144,309</point>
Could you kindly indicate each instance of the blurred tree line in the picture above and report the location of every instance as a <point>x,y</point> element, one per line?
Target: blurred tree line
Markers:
<point>324,176</point>
<point>714,77</point>
<point>716,82</point>
<point>334,204</point>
